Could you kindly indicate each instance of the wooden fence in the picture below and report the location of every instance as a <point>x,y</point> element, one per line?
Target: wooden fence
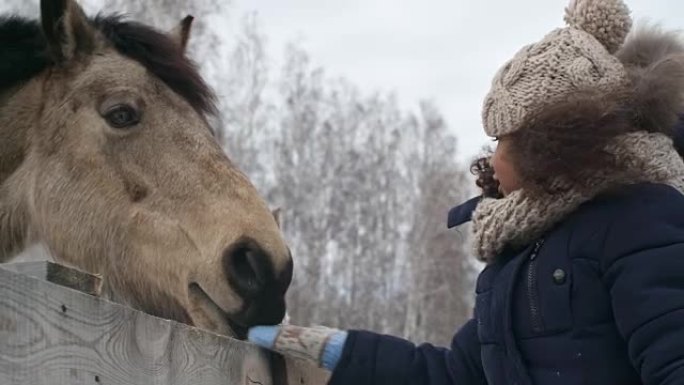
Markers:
<point>54,330</point>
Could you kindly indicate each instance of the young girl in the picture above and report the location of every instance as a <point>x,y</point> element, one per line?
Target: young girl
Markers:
<point>581,224</point>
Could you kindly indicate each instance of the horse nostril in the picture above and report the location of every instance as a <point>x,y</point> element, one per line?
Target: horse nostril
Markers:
<point>246,268</point>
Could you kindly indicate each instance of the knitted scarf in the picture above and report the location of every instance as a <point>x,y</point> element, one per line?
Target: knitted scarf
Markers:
<point>521,217</point>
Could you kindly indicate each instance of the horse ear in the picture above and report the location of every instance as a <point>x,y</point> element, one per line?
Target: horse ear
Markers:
<point>277,214</point>
<point>181,33</point>
<point>66,28</point>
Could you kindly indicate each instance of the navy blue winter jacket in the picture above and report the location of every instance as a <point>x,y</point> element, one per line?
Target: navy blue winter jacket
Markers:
<point>598,301</point>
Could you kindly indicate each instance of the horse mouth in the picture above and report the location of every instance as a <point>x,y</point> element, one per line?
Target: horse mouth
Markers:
<point>223,321</point>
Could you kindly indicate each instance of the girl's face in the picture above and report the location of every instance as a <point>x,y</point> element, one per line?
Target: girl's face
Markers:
<point>504,170</point>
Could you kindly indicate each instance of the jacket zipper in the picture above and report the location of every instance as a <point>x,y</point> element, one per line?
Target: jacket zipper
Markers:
<point>532,288</point>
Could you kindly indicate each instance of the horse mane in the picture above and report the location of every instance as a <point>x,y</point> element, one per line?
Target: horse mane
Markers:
<point>24,54</point>
<point>23,51</point>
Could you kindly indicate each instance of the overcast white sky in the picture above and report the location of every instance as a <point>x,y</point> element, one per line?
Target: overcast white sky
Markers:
<point>444,50</point>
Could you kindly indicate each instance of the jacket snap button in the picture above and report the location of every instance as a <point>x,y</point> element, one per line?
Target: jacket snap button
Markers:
<point>559,276</point>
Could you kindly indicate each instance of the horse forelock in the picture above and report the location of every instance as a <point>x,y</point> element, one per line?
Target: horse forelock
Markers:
<point>24,54</point>
<point>160,55</point>
<point>22,50</point>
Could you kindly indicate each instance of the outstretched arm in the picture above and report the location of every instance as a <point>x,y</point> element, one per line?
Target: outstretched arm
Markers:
<point>366,358</point>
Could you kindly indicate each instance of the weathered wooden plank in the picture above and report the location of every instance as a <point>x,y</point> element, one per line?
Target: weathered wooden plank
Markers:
<point>60,275</point>
<point>52,335</point>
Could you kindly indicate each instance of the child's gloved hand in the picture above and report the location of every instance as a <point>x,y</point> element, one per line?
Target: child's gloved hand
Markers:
<point>319,345</point>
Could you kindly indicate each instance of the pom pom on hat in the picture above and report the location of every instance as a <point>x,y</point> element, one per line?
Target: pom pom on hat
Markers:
<point>608,21</point>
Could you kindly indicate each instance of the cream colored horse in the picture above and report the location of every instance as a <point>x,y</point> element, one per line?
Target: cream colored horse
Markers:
<point>106,157</point>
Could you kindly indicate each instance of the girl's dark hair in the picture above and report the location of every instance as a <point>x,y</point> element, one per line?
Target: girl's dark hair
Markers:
<point>566,141</point>
<point>484,171</point>
<point>679,135</point>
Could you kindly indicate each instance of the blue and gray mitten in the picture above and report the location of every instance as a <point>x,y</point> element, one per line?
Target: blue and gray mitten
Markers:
<point>320,345</point>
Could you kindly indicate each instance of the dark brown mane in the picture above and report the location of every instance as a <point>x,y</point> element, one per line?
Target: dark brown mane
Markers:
<point>23,51</point>
<point>23,54</point>
<point>161,56</point>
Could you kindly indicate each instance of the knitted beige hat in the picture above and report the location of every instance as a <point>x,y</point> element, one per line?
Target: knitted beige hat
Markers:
<point>578,57</point>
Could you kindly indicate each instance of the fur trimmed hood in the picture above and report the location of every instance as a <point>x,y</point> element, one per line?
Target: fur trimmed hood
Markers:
<point>654,60</point>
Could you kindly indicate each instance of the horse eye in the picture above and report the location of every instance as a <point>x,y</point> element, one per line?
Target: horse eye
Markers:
<point>122,116</point>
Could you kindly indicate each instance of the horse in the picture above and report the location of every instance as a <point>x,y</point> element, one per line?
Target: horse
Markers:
<point>107,157</point>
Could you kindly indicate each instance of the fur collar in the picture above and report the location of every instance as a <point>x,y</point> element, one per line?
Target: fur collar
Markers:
<point>520,218</point>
